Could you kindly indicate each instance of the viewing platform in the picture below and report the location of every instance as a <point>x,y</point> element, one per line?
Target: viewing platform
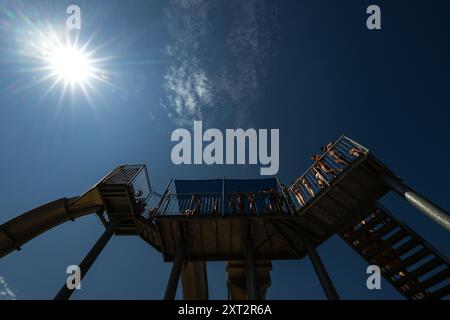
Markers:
<point>328,196</point>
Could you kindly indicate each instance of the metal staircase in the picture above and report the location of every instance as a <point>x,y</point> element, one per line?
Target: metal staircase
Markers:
<point>408,262</point>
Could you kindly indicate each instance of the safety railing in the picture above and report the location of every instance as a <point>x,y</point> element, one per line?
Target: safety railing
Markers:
<point>136,177</point>
<point>151,205</point>
<point>123,174</point>
<point>230,203</point>
<point>336,157</point>
<point>140,187</point>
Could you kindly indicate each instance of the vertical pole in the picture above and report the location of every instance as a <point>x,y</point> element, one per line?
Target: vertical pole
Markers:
<point>174,277</point>
<point>88,261</point>
<point>433,211</point>
<point>194,280</point>
<point>163,197</point>
<point>252,278</point>
<point>322,274</point>
<point>285,196</point>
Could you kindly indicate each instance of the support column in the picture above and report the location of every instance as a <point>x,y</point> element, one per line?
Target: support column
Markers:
<point>88,261</point>
<point>322,274</point>
<point>317,263</point>
<point>174,277</point>
<point>252,277</point>
<point>432,210</point>
<point>194,281</point>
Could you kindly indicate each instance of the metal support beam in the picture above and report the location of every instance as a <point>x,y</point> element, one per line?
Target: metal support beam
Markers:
<point>194,281</point>
<point>317,263</point>
<point>88,261</point>
<point>163,197</point>
<point>252,277</point>
<point>322,274</point>
<point>174,277</point>
<point>102,218</point>
<point>432,210</point>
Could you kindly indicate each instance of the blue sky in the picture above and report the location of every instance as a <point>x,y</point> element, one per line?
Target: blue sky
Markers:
<point>309,68</point>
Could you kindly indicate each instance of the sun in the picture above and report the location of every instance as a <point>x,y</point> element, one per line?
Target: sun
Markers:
<point>70,64</point>
<point>51,58</point>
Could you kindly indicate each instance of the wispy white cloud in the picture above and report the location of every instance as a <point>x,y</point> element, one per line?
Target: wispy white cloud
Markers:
<point>220,52</point>
<point>186,82</point>
<point>5,292</point>
<point>188,89</point>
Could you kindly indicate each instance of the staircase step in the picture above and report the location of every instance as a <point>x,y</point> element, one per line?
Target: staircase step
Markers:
<point>397,253</point>
<point>403,265</point>
<point>368,225</point>
<point>377,235</point>
<point>422,270</point>
<point>431,281</point>
<point>440,293</point>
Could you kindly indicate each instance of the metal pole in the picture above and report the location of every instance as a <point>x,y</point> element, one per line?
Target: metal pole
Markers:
<point>88,261</point>
<point>252,280</point>
<point>102,218</point>
<point>324,278</point>
<point>322,274</point>
<point>288,203</point>
<point>174,277</point>
<point>432,210</point>
<point>163,197</point>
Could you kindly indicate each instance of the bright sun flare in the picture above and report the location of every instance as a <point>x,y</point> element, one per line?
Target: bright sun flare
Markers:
<point>62,61</point>
<point>70,65</point>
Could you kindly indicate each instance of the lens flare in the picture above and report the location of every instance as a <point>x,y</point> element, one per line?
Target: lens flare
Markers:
<point>47,56</point>
<point>70,65</point>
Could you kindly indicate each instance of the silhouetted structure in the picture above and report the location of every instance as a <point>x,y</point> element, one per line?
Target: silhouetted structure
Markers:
<point>249,223</point>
